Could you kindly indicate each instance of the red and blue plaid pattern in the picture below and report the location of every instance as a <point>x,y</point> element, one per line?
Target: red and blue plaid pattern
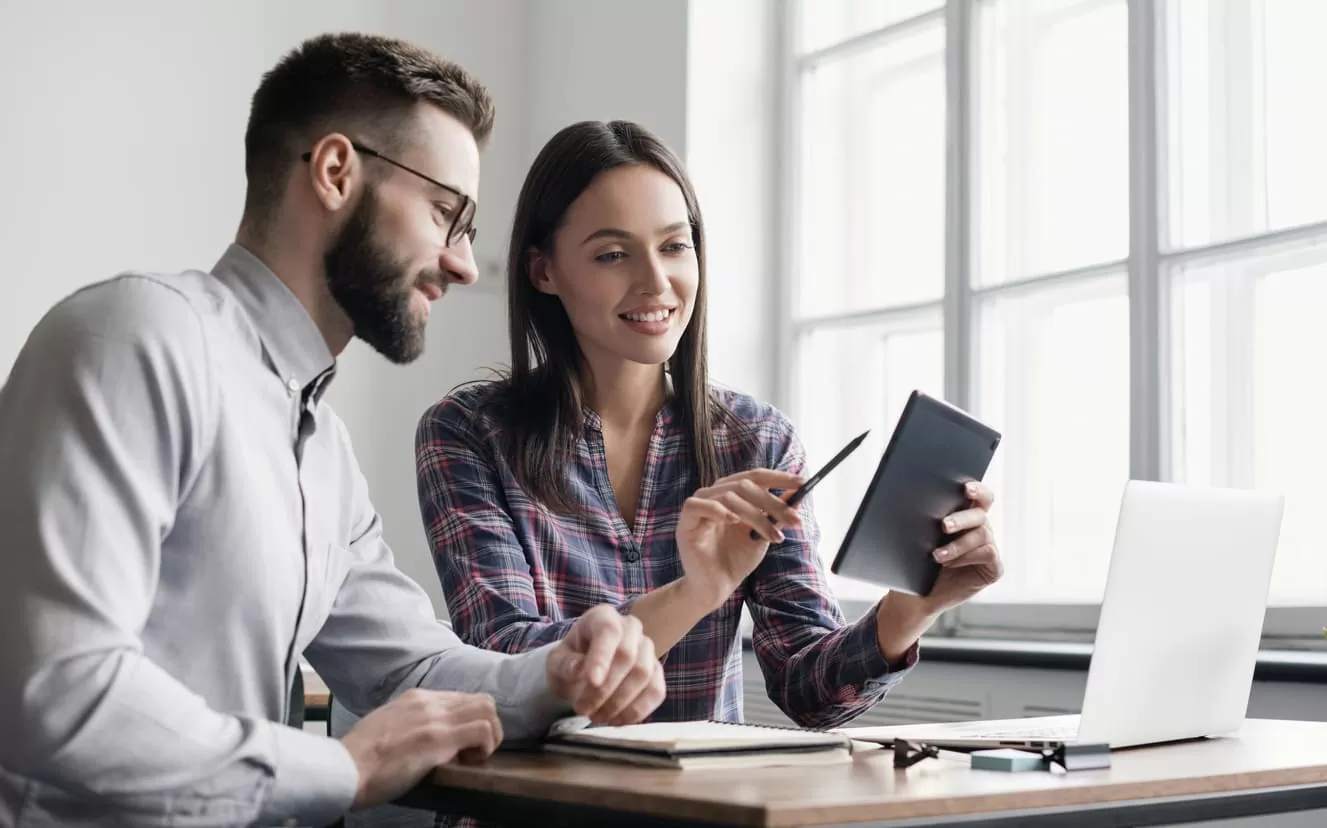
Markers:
<point>517,576</point>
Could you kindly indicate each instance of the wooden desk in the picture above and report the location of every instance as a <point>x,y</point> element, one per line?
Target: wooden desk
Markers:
<point>317,698</point>
<point>1271,767</point>
<point>316,693</point>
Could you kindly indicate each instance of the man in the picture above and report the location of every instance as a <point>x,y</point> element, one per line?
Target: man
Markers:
<point>184,516</point>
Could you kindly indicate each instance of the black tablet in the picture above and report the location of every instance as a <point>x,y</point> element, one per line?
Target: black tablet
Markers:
<point>935,450</point>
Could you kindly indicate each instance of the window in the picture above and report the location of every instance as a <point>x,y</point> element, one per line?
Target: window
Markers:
<point>1071,217</point>
<point>1050,313</point>
<point>853,377</point>
<point>866,308</point>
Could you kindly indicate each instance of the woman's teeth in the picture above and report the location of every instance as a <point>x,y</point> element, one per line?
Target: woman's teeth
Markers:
<point>652,316</point>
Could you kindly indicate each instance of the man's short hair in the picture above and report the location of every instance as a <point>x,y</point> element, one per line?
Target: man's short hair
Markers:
<point>364,85</point>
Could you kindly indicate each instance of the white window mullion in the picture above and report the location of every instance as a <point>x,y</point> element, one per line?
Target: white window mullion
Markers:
<point>786,263</point>
<point>1236,184</point>
<point>1021,139</point>
<point>1148,307</point>
<point>958,313</point>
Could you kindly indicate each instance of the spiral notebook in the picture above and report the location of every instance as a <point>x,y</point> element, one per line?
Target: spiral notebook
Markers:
<point>699,744</point>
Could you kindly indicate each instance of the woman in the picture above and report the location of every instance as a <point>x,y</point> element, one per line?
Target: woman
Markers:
<point>606,467</point>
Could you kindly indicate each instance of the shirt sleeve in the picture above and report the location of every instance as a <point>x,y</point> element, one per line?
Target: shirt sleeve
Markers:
<point>382,638</point>
<point>485,574</point>
<point>819,670</point>
<point>104,421</point>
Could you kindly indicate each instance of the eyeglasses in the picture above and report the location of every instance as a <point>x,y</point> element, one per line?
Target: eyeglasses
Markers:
<point>463,217</point>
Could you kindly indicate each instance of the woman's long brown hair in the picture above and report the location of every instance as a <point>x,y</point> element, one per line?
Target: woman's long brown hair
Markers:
<point>542,400</point>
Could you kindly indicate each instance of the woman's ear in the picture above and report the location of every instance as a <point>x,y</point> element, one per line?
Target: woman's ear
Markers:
<point>539,272</point>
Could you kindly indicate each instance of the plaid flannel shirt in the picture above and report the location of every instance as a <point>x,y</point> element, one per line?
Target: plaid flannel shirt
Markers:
<point>517,576</point>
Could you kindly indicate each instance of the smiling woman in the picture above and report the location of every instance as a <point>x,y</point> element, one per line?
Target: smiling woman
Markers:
<point>606,467</point>
<point>610,226</point>
<point>629,293</point>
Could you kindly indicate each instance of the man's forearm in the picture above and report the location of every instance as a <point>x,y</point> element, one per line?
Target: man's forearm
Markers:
<point>519,685</point>
<point>147,744</point>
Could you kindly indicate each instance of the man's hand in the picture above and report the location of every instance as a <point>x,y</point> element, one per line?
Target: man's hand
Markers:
<point>397,744</point>
<point>606,668</point>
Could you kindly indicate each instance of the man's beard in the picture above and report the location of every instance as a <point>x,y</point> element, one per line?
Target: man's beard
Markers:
<point>373,289</point>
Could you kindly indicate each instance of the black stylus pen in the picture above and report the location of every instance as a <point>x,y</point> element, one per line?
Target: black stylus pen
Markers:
<point>805,489</point>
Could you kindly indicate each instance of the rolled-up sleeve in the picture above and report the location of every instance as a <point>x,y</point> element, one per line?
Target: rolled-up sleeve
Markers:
<point>820,671</point>
<point>104,422</point>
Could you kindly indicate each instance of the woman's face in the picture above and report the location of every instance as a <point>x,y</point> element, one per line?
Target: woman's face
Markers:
<point>624,266</point>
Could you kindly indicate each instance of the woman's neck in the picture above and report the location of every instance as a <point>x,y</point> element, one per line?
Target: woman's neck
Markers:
<point>625,394</point>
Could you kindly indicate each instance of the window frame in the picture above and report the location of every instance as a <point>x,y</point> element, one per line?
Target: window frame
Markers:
<point>1150,262</point>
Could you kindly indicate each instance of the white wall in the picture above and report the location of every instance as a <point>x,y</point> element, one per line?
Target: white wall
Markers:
<point>123,148</point>
<point>732,155</point>
<point>606,60</point>
<point>699,74</point>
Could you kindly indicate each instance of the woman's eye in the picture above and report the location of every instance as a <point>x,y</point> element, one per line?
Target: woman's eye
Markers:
<point>677,247</point>
<point>610,256</point>
<point>441,210</point>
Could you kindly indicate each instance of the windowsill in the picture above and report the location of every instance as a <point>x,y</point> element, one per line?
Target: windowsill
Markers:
<point>1272,665</point>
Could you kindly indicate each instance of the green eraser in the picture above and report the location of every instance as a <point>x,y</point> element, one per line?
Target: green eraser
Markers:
<point>1006,759</point>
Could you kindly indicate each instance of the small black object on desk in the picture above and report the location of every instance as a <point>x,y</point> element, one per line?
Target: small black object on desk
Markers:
<point>1070,757</point>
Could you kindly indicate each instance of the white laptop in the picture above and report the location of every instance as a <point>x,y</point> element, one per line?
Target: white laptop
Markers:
<point>1179,630</point>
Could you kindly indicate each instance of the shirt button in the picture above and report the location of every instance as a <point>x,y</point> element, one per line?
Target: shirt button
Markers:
<point>292,385</point>
<point>632,556</point>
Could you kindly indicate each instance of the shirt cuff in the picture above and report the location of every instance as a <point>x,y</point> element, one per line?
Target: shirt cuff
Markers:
<point>315,779</point>
<point>872,666</point>
<point>528,705</point>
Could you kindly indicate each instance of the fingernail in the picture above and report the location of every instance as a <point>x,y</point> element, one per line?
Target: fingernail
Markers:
<point>942,554</point>
<point>972,489</point>
<point>779,537</point>
<point>949,524</point>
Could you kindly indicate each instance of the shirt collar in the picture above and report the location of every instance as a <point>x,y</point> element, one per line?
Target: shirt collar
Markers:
<point>664,418</point>
<point>294,345</point>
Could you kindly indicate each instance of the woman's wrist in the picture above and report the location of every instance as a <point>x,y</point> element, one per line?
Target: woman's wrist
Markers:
<point>901,620</point>
<point>703,593</point>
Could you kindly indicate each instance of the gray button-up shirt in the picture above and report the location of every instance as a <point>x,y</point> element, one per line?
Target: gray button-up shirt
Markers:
<point>183,517</point>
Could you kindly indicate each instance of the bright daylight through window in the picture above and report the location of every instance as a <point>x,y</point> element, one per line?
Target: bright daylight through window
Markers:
<point>1099,225</point>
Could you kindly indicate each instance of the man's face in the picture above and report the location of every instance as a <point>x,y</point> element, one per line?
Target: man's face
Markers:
<point>391,258</point>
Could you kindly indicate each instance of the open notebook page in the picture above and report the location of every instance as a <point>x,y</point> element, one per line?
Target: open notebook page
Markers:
<point>700,735</point>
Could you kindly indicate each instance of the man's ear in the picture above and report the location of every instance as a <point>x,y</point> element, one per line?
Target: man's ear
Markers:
<point>539,272</point>
<point>331,164</point>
